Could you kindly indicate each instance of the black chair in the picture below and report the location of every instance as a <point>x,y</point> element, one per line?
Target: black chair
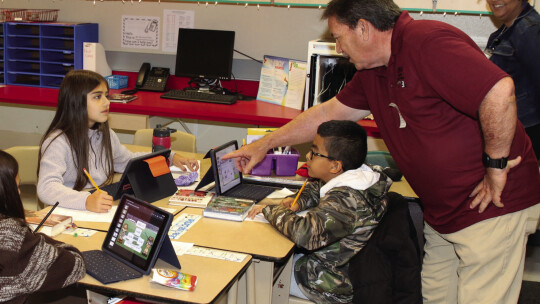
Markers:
<point>387,269</point>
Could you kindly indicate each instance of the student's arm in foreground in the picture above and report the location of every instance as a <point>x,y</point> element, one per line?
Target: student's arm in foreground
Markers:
<point>308,199</point>
<point>322,225</point>
<point>34,262</point>
<point>301,129</point>
<point>498,117</point>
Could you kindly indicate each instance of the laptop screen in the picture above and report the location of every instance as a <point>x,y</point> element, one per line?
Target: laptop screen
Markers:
<point>136,233</point>
<point>227,175</point>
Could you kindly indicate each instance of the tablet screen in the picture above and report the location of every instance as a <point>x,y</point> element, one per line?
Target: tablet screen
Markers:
<point>228,175</point>
<point>136,233</point>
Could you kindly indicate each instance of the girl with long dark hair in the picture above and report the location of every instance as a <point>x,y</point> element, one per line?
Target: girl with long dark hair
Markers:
<point>29,262</point>
<point>79,137</point>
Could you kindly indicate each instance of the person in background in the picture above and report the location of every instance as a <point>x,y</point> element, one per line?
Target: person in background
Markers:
<point>29,262</point>
<point>344,206</point>
<point>79,137</point>
<point>515,48</point>
<point>448,117</point>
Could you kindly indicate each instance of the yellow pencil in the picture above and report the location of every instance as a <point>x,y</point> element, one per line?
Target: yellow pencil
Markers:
<point>298,195</point>
<point>92,180</point>
<point>243,141</point>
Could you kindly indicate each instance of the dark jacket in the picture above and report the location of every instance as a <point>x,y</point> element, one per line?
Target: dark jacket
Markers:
<point>387,269</point>
<point>516,50</point>
<point>338,222</point>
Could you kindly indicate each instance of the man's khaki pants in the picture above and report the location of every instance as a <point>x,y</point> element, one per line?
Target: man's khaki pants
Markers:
<point>482,263</point>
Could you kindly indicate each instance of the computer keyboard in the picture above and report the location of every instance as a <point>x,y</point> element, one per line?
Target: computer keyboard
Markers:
<point>106,269</point>
<point>250,191</point>
<point>191,95</point>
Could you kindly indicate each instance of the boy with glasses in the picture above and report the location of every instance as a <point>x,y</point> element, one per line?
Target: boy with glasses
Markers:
<point>343,207</point>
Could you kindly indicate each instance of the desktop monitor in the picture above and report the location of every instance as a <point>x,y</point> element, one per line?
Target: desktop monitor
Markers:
<point>205,54</point>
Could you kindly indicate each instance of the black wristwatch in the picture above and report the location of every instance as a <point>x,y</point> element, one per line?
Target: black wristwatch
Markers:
<point>498,163</point>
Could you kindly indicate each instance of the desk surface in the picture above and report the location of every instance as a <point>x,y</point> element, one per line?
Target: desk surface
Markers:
<point>402,187</point>
<point>149,103</point>
<point>260,240</point>
<point>214,276</point>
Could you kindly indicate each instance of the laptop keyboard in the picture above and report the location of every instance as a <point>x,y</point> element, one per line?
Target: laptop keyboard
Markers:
<point>250,191</point>
<point>106,269</point>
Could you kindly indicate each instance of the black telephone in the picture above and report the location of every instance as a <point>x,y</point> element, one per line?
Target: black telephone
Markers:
<point>154,79</point>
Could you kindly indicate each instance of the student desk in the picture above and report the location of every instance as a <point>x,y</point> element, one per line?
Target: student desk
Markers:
<point>268,279</point>
<point>402,187</point>
<point>215,277</point>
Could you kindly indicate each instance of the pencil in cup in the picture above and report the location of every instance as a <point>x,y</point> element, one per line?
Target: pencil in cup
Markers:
<point>92,180</point>
<point>298,194</point>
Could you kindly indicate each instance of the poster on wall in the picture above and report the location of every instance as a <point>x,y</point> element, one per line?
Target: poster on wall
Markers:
<point>140,32</point>
<point>282,81</point>
<point>172,21</point>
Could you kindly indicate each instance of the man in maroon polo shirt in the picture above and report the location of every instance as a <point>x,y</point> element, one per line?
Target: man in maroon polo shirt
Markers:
<point>448,117</point>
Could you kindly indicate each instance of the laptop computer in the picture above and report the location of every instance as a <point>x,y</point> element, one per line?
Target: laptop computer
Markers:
<point>137,237</point>
<point>229,180</point>
<point>139,180</point>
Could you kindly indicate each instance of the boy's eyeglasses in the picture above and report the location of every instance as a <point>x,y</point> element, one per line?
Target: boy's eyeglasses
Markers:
<point>311,153</point>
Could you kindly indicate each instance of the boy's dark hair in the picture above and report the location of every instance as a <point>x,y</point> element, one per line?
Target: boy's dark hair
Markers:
<point>345,141</point>
<point>381,13</point>
<point>10,200</point>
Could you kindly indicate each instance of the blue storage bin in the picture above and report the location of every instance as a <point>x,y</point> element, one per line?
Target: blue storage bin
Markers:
<point>117,81</point>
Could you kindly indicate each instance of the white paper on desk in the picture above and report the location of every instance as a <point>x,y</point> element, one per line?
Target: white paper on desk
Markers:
<point>87,216</point>
<point>283,193</point>
<point>181,224</point>
<point>181,247</point>
<point>83,232</point>
<point>217,254</point>
<point>258,218</point>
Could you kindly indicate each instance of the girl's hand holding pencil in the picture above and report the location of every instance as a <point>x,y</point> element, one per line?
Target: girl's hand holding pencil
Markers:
<point>99,201</point>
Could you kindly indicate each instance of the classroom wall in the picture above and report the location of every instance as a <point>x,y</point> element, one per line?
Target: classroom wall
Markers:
<point>277,31</point>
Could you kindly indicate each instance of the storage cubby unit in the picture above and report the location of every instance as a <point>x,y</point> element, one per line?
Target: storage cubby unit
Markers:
<point>2,65</point>
<point>41,54</point>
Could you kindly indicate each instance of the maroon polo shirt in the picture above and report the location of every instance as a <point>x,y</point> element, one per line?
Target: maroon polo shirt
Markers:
<point>425,103</point>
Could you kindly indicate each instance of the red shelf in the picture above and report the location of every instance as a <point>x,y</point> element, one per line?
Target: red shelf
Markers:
<point>254,112</point>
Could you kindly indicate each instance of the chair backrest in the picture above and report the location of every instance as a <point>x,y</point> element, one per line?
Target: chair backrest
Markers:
<point>27,157</point>
<point>387,269</point>
<point>180,141</point>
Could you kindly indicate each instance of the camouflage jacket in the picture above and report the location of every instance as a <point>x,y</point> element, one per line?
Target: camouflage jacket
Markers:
<point>335,227</point>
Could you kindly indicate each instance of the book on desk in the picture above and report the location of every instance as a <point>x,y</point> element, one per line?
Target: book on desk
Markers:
<point>191,198</point>
<point>228,208</point>
<point>53,226</point>
<point>121,98</point>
